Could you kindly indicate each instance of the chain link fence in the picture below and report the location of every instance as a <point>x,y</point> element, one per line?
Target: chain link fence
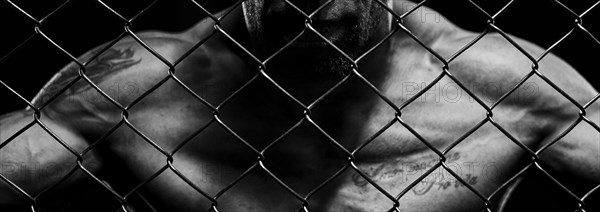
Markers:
<point>128,16</point>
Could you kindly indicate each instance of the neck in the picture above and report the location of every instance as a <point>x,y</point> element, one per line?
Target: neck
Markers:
<point>302,85</point>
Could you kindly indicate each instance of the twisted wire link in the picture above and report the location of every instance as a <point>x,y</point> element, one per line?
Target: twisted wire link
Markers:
<point>261,72</point>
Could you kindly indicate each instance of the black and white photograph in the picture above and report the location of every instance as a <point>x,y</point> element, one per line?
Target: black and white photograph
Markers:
<point>299,105</point>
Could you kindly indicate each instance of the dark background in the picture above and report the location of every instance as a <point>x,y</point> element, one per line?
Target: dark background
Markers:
<point>82,25</point>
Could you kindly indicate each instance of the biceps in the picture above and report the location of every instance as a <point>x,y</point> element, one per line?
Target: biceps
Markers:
<point>578,152</point>
<point>34,160</point>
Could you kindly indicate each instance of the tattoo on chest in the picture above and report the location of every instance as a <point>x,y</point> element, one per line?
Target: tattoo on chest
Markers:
<point>427,185</point>
<point>405,172</point>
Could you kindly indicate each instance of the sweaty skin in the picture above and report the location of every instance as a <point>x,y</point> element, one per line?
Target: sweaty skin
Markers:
<point>211,159</point>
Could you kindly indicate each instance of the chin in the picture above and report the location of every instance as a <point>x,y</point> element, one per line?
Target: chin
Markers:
<point>310,66</point>
<point>314,57</point>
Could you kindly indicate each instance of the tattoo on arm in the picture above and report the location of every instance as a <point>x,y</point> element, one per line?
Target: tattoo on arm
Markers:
<point>98,70</point>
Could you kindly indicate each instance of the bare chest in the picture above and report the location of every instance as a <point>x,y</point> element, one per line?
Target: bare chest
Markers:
<point>437,154</point>
<point>253,163</point>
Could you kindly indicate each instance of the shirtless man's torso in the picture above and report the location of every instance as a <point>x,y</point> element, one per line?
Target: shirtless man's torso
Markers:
<point>207,145</point>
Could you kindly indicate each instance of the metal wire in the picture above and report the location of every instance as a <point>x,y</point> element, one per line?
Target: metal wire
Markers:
<point>304,201</point>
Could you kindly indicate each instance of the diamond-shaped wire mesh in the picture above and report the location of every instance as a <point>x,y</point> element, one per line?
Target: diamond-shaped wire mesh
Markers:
<point>127,19</point>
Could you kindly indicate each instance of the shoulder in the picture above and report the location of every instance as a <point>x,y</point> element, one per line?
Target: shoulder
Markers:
<point>493,58</point>
<point>130,60</point>
<point>544,92</point>
<point>498,61</point>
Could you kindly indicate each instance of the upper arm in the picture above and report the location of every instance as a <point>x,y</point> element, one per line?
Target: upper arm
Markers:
<point>578,152</point>
<point>76,112</point>
<point>34,160</point>
<point>495,61</point>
